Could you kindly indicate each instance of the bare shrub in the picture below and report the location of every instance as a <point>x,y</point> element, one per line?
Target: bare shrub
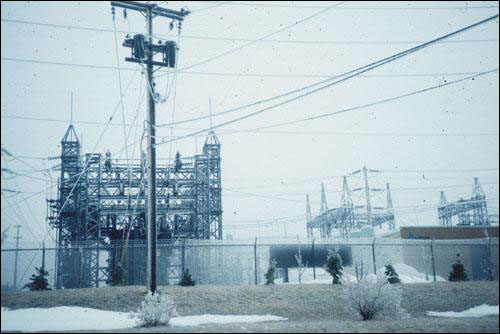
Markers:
<point>359,270</point>
<point>302,267</point>
<point>155,310</point>
<point>374,298</point>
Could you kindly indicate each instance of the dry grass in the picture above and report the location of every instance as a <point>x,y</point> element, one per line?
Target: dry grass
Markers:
<point>310,308</point>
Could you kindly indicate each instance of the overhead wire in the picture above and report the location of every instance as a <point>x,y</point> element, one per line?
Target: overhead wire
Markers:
<point>336,79</point>
<point>238,39</point>
<point>225,53</point>
<point>230,131</point>
<point>371,104</point>
<point>347,75</point>
<point>281,5</point>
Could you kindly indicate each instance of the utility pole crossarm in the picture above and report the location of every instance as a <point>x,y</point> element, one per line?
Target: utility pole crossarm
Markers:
<point>155,10</point>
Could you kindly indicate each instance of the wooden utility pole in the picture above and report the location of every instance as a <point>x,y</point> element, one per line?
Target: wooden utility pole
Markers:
<point>143,53</point>
<point>17,237</point>
<point>151,168</point>
<point>43,256</point>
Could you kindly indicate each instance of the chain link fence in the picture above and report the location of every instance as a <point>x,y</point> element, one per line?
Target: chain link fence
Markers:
<point>240,262</point>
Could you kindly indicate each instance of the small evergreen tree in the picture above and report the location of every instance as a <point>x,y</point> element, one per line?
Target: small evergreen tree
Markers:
<point>269,275</point>
<point>39,281</point>
<point>117,276</point>
<point>334,265</point>
<point>391,274</point>
<point>186,279</point>
<point>458,271</point>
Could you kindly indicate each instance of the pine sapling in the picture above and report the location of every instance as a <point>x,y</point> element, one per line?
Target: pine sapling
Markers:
<point>269,275</point>
<point>391,274</point>
<point>334,266</point>
<point>186,279</point>
<point>458,272</point>
<point>39,281</point>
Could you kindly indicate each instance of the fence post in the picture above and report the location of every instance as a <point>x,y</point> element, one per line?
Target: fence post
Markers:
<point>255,259</point>
<point>489,248</point>
<point>183,256</point>
<point>373,255</point>
<point>432,259</point>
<point>313,262</point>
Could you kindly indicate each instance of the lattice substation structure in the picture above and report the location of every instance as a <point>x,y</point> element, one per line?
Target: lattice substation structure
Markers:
<point>348,216</point>
<point>470,212</point>
<point>101,207</point>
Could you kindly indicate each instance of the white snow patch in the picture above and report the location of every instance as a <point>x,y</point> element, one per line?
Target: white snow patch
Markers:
<point>64,318</point>
<point>196,320</point>
<point>477,311</point>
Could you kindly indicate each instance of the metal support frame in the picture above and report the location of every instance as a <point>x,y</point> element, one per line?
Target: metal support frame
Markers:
<point>102,207</point>
<point>348,216</point>
<point>473,211</point>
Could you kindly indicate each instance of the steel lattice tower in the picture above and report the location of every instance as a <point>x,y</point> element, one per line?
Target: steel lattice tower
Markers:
<point>101,203</point>
<point>473,211</point>
<point>348,216</point>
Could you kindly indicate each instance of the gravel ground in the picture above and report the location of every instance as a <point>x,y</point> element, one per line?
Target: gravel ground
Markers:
<point>309,308</point>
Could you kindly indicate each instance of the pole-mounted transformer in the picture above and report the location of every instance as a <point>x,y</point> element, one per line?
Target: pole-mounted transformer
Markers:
<point>139,47</point>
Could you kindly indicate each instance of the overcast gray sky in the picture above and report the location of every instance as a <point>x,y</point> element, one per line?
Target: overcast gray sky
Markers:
<point>447,135</point>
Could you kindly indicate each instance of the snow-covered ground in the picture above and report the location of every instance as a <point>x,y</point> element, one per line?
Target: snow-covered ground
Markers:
<point>64,318</point>
<point>477,311</point>
<point>406,274</point>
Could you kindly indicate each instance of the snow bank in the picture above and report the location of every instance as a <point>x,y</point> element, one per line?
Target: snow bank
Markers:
<point>477,311</point>
<point>65,318</point>
<point>407,274</point>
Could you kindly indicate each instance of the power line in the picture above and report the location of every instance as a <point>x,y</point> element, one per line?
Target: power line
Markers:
<point>348,75</point>
<point>257,130</point>
<point>372,103</point>
<point>225,53</point>
<point>303,193</point>
<point>253,4</point>
<point>250,75</point>
<point>264,196</point>
<point>437,170</point>
<point>278,75</point>
<point>239,39</point>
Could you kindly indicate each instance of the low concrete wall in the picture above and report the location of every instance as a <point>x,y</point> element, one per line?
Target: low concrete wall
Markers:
<point>448,232</point>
